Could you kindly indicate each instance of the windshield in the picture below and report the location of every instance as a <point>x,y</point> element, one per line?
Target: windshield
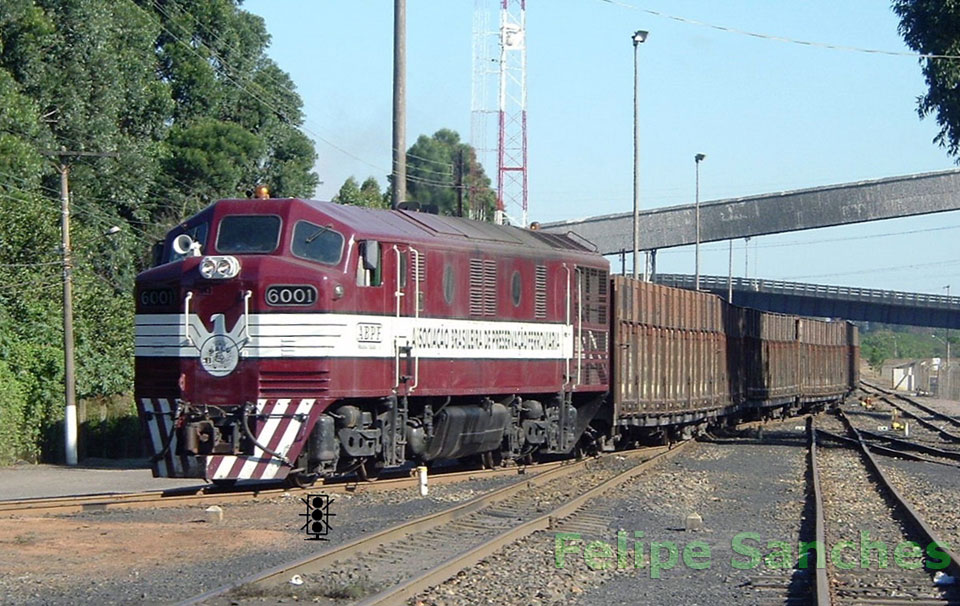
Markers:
<point>248,234</point>
<point>317,243</point>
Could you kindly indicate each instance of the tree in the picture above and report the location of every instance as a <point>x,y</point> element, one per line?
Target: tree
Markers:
<point>434,165</point>
<point>183,96</point>
<point>932,27</point>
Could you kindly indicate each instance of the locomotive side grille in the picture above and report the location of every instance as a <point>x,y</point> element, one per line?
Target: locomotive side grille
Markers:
<point>285,383</point>
<point>540,293</point>
<point>476,287</point>
<point>594,295</point>
<point>489,288</point>
<point>421,271</point>
<point>483,287</point>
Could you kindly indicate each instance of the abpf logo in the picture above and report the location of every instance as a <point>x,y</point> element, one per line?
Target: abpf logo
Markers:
<point>219,355</point>
<point>219,349</point>
<point>317,525</point>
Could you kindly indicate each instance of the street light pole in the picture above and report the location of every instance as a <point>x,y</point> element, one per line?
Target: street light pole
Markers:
<point>946,366</point>
<point>638,38</point>
<point>697,159</point>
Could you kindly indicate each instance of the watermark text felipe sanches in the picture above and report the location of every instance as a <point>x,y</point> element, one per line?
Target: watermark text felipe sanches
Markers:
<point>749,552</point>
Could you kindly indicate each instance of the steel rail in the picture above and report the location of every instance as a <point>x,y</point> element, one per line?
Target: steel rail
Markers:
<point>886,450</point>
<point>178,497</point>
<point>927,409</point>
<point>902,502</point>
<point>821,582</point>
<point>280,574</point>
<point>438,574</point>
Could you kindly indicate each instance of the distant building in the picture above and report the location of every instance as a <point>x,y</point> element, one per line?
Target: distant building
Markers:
<point>925,376</point>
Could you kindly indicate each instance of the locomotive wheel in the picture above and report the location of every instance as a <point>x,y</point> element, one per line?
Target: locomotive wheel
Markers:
<point>492,459</point>
<point>369,470</point>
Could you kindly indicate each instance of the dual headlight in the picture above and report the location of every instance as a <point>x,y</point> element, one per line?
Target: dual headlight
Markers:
<point>219,268</point>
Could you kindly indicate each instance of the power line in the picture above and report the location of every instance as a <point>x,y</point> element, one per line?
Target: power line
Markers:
<point>757,245</point>
<point>825,45</point>
<point>874,270</point>
<point>257,97</point>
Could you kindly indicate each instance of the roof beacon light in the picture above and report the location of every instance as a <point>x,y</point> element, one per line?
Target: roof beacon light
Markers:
<point>262,192</point>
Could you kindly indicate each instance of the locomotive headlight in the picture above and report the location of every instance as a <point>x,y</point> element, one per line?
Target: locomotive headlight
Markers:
<point>208,267</point>
<point>219,268</point>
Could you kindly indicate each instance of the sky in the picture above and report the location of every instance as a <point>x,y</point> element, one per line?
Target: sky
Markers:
<point>770,115</point>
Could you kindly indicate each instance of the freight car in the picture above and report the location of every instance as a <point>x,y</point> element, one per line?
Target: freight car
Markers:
<point>291,339</point>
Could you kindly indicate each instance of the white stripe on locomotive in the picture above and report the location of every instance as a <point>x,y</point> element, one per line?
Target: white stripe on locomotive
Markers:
<point>362,336</point>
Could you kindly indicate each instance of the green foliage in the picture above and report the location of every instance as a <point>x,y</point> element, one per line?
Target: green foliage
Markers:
<point>433,164</point>
<point>368,194</point>
<point>933,27</point>
<point>183,98</point>
<point>431,176</point>
<point>14,442</point>
<point>877,346</point>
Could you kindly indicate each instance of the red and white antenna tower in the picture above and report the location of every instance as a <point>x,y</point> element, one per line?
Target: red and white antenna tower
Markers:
<point>506,50</point>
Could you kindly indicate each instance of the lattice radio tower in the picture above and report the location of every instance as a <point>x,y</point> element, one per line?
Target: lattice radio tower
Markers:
<point>500,89</point>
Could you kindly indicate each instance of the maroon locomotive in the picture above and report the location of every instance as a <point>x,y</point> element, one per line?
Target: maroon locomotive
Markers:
<point>291,339</point>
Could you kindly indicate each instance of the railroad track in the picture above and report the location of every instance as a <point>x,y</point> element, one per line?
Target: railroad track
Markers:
<point>396,564</point>
<point>946,427</point>
<point>853,495</point>
<point>210,494</point>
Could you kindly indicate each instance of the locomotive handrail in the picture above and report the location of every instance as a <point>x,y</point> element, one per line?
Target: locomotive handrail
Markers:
<point>246,314</point>
<point>397,293</point>
<point>416,316</point>
<point>566,268</point>
<point>579,352</point>
<point>186,318</point>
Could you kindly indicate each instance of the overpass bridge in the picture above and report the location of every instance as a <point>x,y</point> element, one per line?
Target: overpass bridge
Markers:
<point>773,213</point>
<point>862,304</point>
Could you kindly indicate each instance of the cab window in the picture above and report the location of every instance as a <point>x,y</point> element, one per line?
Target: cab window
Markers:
<point>317,243</point>
<point>369,264</point>
<point>248,234</point>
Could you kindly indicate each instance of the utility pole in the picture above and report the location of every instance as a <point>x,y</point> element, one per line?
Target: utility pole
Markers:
<point>69,374</point>
<point>399,102</point>
<point>69,368</point>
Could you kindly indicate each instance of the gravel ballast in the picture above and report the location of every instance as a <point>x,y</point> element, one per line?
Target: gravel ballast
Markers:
<point>735,487</point>
<point>164,555</point>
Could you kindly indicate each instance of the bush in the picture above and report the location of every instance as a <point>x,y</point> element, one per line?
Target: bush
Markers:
<point>16,439</point>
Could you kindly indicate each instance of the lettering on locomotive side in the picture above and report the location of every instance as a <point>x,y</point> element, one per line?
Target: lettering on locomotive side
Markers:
<point>487,338</point>
<point>368,332</point>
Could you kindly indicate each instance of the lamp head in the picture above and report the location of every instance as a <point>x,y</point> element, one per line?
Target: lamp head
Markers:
<point>699,158</point>
<point>639,36</point>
